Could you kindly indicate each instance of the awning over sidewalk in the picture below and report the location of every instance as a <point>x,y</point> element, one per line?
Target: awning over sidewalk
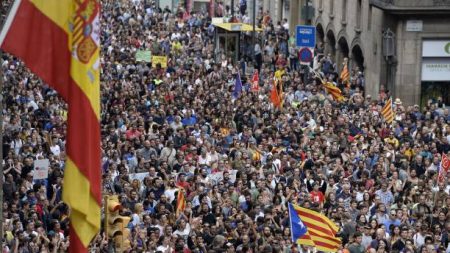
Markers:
<point>238,27</point>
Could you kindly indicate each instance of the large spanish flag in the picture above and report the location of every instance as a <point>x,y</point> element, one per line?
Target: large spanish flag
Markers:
<point>59,40</point>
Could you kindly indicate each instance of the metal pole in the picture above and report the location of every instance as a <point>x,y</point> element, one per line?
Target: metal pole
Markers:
<point>232,10</point>
<point>254,24</point>
<point>1,144</point>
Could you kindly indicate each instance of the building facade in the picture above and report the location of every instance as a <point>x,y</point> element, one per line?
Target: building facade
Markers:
<point>352,29</point>
<point>403,45</point>
<point>422,55</point>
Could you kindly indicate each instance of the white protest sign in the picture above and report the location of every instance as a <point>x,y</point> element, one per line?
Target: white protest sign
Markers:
<point>138,176</point>
<point>233,174</point>
<point>41,169</point>
<point>216,177</point>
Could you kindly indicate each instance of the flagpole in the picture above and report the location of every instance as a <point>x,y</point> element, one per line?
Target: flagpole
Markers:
<point>1,138</point>
<point>290,223</point>
<point>2,22</point>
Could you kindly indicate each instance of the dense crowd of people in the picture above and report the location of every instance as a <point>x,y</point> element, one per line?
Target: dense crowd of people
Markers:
<point>239,161</point>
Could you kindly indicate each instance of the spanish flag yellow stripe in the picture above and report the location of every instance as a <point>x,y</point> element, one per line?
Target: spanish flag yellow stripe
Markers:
<point>85,230</point>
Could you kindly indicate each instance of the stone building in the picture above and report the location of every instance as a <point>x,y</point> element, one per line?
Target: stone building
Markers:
<point>401,44</point>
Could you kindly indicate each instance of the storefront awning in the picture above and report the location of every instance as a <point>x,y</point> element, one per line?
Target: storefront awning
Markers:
<point>238,27</point>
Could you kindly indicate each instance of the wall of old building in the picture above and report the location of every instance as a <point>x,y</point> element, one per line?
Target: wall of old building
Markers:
<point>353,29</point>
<point>409,53</point>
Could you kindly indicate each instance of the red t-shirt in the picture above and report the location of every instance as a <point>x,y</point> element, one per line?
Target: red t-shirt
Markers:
<point>317,196</point>
<point>184,184</point>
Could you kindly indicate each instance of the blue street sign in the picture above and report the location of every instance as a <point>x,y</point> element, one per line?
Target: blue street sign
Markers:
<point>305,36</point>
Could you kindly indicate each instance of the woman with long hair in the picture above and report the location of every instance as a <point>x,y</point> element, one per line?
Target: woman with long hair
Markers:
<point>383,246</point>
<point>395,234</point>
<point>361,220</point>
<point>373,226</point>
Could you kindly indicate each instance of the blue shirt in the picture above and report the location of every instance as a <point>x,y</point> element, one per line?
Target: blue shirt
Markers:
<point>189,121</point>
<point>389,222</point>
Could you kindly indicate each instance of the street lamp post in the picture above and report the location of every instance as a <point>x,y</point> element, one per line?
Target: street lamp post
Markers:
<point>389,54</point>
<point>232,9</point>
<point>254,28</point>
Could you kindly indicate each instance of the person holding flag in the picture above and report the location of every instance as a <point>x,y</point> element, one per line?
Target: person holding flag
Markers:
<point>329,87</point>
<point>276,94</point>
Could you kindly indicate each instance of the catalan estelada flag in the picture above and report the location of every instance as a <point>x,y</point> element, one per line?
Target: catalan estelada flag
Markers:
<point>313,229</point>
<point>388,112</point>
<point>181,201</point>
<point>334,91</point>
<point>345,74</point>
<point>59,40</point>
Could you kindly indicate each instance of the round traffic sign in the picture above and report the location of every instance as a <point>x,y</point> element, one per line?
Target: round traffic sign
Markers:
<point>305,54</point>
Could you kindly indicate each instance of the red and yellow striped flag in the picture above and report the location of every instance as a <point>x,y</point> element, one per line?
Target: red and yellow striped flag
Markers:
<point>276,94</point>
<point>321,231</point>
<point>334,91</point>
<point>345,75</point>
<point>181,201</point>
<point>59,40</point>
<point>388,112</point>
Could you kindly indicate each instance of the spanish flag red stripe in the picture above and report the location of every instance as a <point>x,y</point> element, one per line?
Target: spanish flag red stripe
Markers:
<point>51,64</point>
<point>36,32</point>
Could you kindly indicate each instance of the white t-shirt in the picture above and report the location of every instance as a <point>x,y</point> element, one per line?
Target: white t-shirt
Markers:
<point>184,233</point>
<point>164,249</point>
<point>419,240</point>
<point>56,150</point>
<point>170,194</point>
<point>204,160</point>
<point>136,219</point>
